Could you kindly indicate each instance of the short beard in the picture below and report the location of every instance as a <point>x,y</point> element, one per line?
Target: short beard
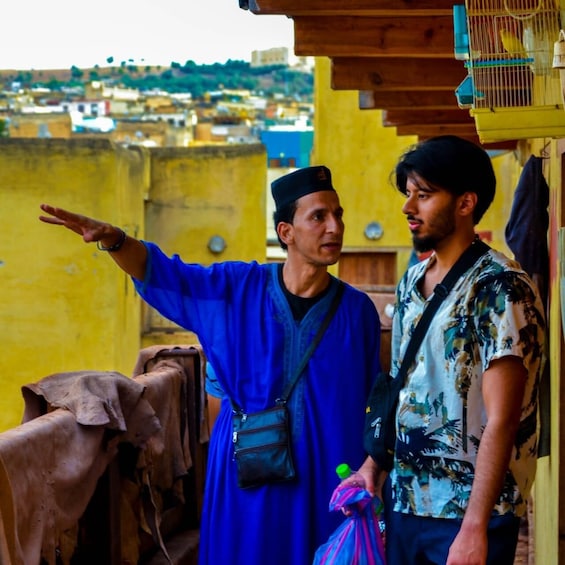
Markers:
<point>424,244</point>
<point>441,226</point>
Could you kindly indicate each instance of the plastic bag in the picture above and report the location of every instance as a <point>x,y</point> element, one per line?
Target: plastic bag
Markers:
<point>357,541</point>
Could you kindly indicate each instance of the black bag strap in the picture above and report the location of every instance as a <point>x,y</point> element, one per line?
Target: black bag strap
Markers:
<point>308,353</point>
<point>466,260</point>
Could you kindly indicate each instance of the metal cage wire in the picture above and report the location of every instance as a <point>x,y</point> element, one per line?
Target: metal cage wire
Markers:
<point>511,52</point>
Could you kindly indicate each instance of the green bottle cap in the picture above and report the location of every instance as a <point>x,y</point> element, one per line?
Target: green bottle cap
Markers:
<point>343,470</point>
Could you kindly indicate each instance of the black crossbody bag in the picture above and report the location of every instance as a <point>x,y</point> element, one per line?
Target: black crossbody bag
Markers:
<point>379,436</point>
<point>262,442</point>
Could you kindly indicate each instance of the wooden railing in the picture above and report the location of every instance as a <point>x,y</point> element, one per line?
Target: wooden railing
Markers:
<point>116,476</point>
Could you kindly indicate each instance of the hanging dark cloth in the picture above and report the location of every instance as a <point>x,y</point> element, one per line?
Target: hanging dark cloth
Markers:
<point>526,236</point>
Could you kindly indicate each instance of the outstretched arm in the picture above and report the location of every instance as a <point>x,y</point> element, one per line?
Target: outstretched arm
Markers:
<point>129,253</point>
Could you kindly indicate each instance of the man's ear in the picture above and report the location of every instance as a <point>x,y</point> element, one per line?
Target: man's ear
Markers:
<point>285,232</point>
<point>467,203</point>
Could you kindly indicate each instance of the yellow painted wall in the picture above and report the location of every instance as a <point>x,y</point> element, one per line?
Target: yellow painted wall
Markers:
<point>199,193</point>
<point>548,500</point>
<point>507,169</point>
<point>362,153</point>
<point>64,305</point>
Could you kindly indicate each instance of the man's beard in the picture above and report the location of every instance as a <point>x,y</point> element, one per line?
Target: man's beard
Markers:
<point>424,244</point>
<point>442,225</point>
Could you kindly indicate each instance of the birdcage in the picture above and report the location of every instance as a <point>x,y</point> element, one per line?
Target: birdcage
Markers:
<point>516,92</point>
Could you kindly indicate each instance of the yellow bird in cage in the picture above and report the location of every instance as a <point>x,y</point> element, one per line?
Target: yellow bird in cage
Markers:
<point>511,43</point>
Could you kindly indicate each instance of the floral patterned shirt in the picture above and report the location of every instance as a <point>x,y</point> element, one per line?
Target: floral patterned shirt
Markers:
<point>493,311</point>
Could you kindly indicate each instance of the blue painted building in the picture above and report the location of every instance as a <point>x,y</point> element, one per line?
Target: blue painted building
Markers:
<point>288,146</point>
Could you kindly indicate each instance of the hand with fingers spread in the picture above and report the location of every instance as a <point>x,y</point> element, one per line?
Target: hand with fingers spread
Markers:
<point>89,228</point>
<point>129,253</point>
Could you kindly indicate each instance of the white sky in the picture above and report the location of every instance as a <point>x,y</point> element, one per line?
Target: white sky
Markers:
<point>40,34</point>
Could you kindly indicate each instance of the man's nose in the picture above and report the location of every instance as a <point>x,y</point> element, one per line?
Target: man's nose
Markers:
<point>334,224</point>
<point>408,205</point>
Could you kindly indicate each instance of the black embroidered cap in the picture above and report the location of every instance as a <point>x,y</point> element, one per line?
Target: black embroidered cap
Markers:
<point>304,181</point>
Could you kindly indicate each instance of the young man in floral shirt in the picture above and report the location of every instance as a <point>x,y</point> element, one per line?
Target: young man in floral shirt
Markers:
<point>466,423</point>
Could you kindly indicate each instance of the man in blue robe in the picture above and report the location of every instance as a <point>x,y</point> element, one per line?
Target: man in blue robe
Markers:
<point>254,322</point>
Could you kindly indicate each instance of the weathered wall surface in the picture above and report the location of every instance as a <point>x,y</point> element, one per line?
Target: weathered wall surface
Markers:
<point>362,154</point>
<point>64,305</point>
<point>199,194</point>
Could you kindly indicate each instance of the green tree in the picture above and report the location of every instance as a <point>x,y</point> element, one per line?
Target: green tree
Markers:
<point>54,84</point>
<point>76,73</point>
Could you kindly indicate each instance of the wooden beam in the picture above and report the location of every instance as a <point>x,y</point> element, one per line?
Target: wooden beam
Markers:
<point>509,145</point>
<point>407,100</point>
<point>373,73</point>
<point>347,36</point>
<point>419,117</point>
<point>429,130</point>
<point>351,7</point>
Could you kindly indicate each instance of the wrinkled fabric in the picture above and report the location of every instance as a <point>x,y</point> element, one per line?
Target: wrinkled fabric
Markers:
<point>167,450</point>
<point>166,458</point>
<point>49,468</point>
<point>96,398</point>
<point>526,230</point>
<point>73,425</point>
<point>174,355</point>
<point>172,377</point>
<point>527,236</point>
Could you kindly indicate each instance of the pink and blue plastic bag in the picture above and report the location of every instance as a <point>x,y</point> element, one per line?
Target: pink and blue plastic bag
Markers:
<point>357,541</point>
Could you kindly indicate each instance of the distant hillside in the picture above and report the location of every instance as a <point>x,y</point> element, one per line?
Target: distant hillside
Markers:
<point>35,75</point>
<point>189,77</point>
